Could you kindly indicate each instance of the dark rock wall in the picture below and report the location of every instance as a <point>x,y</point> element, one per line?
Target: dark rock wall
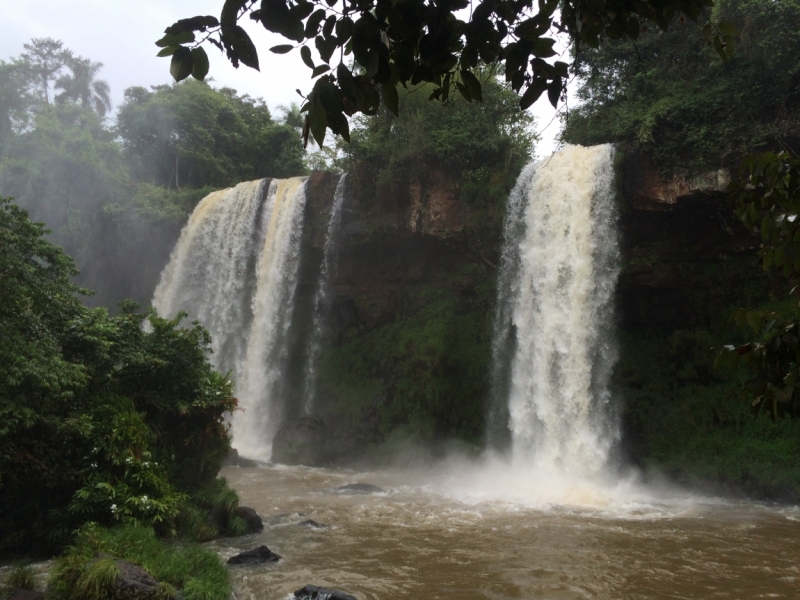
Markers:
<point>686,261</point>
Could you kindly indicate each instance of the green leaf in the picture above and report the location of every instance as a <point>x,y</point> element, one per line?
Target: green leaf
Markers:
<point>242,45</point>
<point>184,37</point>
<point>181,66</point>
<point>532,29</point>
<point>728,28</point>
<point>168,51</point>
<point>319,70</point>
<point>318,120</point>
<point>754,320</point>
<point>313,23</point>
<point>276,17</point>
<point>199,64</point>
<point>230,12</point>
<point>282,49</point>
<point>543,48</point>
<point>473,85</point>
<point>554,91</point>
<point>531,95</point>
<point>390,98</point>
<point>305,54</point>
<point>707,32</point>
<point>325,47</point>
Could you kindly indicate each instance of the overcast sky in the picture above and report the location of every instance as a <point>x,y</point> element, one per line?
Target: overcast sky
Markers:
<point>121,35</point>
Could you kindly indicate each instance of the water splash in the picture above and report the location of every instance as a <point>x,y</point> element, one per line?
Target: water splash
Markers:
<point>322,296</point>
<point>555,298</point>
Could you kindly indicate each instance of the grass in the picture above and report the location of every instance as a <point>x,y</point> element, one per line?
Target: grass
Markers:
<point>21,577</point>
<point>178,566</point>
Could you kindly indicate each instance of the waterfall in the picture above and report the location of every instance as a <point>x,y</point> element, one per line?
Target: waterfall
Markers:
<point>322,296</point>
<point>235,270</point>
<point>559,267</point>
<point>210,271</point>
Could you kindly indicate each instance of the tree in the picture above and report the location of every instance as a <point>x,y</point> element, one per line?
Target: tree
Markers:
<point>688,110</point>
<point>45,58</point>
<point>767,198</point>
<point>401,43</point>
<point>82,87</point>
<point>99,419</point>
<point>191,134</point>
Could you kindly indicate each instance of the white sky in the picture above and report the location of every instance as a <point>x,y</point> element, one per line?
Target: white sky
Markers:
<point>121,35</point>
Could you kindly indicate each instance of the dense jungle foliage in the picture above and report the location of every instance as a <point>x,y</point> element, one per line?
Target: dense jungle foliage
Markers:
<point>101,420</point>
<point>115,191</point>
<point>671,96</point>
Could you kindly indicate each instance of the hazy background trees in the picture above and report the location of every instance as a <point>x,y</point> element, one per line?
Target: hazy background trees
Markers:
<point>115,188</point>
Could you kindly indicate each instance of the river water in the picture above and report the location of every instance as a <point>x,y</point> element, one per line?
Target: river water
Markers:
<point>465,531</point>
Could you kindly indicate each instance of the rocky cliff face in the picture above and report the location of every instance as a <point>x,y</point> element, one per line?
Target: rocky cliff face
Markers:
<point>684,252</point>
<point>411,269</point>
<point>685,261</point>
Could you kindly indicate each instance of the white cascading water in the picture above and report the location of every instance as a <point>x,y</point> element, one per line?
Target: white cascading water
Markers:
<point>235,237</point>
<point>273,304</point>
<point>210,270</point>
<point>322,296</point>
<point>556,291</point>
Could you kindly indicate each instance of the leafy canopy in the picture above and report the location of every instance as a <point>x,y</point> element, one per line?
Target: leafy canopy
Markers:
<point>99,419</point>
<point>679,103</point>
<point>400,43</point>
<point>767,197</point>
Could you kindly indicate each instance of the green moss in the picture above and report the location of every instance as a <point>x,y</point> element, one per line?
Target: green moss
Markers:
<point>426,371</point>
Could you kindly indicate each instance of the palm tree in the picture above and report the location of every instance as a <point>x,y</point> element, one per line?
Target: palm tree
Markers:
<point>82,88</point>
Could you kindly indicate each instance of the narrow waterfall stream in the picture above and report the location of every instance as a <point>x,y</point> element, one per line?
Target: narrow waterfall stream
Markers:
<point>322,297</point>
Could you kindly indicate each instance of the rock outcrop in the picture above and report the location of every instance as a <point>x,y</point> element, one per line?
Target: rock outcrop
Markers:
<point>312,592</point>
<point>256,556</point>
<point>134,583</point>
<point>251,518</point>
<point>301,442</point>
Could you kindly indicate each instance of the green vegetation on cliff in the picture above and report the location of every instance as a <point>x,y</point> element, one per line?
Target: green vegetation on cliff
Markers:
<point>672,97</point>
<point>100,420</point>
<point>481,147</point>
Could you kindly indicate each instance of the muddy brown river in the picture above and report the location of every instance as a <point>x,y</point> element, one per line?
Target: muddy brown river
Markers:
<point>486,532</point>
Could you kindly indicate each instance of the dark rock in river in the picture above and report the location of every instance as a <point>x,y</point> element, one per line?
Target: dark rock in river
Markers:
<point>312,592</point>
<point>360,488</point>
<point>25,595</point>
<point>255,556</point>
<point>234,460</point>
<point>300,442</point>
<point>250,516</point>
<point>134,583</point>
<point>312,524</point>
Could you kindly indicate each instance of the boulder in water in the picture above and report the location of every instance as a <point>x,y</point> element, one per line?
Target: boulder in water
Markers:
<point>250,516</point>
<point>301,442</point>
<point>360,488</point>
<point>312,524</point>
<point>134,583</point>
<point>234,460</point>
<point>255,556</point>
<point>312,592</point>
